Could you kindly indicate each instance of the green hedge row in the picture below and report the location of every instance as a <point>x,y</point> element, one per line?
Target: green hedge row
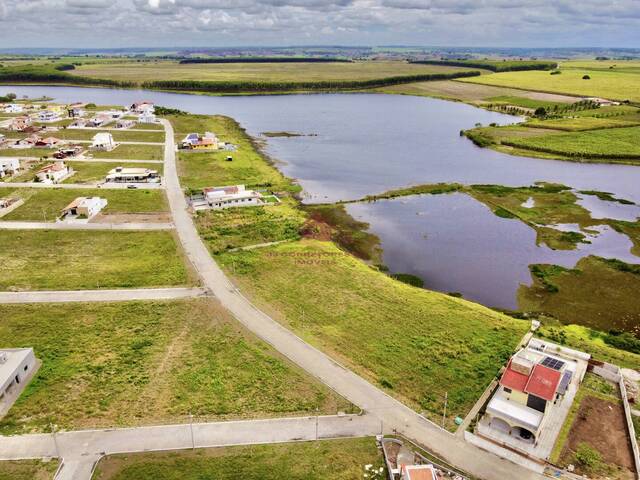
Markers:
<point>618,156</point>
<point>265,60</point>
<point>245,86</point>
<point>508,66</point>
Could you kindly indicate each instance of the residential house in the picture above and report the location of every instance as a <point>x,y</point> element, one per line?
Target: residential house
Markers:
<point>53,173</point>
<point>83,208</point>
<point>532,390</point>
<point>68,151</point>
<point>143,107</point>
<point>114,114</point>
<point>418,472</point>
<point>49,142</point>
<point>2,138</point>
<point>20,124</point>
<point>17,366</point>
<point>103,141</point>
<point>194,141</point>
<point>124,123</point>
<point>79,123</point>
<point>147,117</point>
<point>76,110</point>
<point>13,108</point>
<point>9,166</point>
<point>132,175</point>
<point>48,116</point>
<point>227,197</point>
<point>27,142</point>
<point>100,120</point>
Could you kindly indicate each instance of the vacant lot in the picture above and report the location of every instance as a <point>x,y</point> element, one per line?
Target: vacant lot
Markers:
<point>46,204</point>
<point>148,362</point>
<point>418,344</point>
<point>206,169</point>
<point>118,135</point>
<point>335,459</point>
<point>133,152</point>
<point>608,84</point>
<point>263,72</point>
<point>69,260</point>
<point>27,470</point>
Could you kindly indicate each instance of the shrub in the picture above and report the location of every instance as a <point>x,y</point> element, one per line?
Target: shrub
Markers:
<point>586,77</point>
<point>65,66</point>
<point>555,72</point>
<point>588,457</point>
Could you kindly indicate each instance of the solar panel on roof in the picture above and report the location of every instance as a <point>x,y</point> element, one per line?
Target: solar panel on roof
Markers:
<point>564,382</point>
<point>552,363</point>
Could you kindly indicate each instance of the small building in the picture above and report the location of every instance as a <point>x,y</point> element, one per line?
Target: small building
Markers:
<point>231,196</point>
<point>53,173</point>
<point>143,107</point>
<point>20,124</point>
<point>194,141</point>
<point>76,110</point>
<point>17,367</point>
<point>79,123</point>
<point>9,166</point>
<point>100,120</point>
<point>418,472</point>
<point>68,151</point>
<point>48,116</point>
<point>147,117</point>
<point>49,142</point>
<point>132,175</point>
<point>103,141</point>
<point>2,138</point>
<point>27,142</point>
<point>13,108</point>
<point>83,208</point>
<point>114,114</point>
<point>125,123</point>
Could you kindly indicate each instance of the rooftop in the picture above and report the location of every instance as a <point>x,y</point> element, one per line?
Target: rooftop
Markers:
<point>12,358</point>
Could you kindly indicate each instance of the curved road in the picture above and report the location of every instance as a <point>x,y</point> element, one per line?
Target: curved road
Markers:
<point>392,413</point>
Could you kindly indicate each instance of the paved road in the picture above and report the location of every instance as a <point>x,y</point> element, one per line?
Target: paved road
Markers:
<point>371,399</point>
<point>81,449</point>
<point>121,295</point>
<point>72,186</point>
<point>8,225</point>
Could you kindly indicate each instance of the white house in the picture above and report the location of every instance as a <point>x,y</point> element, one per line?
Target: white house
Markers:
<point>53,173</point>
<point>132,175</point>
<point>83,208</point>
<point>13,108</point>
<point>114,114</point>
<point>103,141</point>
<point>9,166</point>
<point>2,138</point>
<point>147,117</point>
<point>48,116</point>
<point>143,107</point>
<point>100,120</point>
<point>124,123</point>
<point>227,197</point>
<point>17,367</point>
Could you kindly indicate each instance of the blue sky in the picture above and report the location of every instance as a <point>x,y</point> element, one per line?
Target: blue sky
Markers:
<point>146,23</point>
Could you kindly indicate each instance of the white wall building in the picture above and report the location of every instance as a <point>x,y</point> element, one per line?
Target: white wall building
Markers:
<point>13,108</point>
<point>9,166</point>
<point>227,197</point>
<point>132,175</point>
<point>147,117</point>
<point>103,141</point>
<point>84,207</point>
<point>17,366</point>
<point>53,173</point>
<point>48,116</point>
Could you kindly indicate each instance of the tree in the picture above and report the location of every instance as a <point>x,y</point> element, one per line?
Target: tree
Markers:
<point>11,96</point>
<point>540,112</point>
<point>586,77</point>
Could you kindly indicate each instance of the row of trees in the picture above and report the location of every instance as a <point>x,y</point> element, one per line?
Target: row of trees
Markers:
<point>334,85</point>
<point>507,66</point>
<point>266,60</point>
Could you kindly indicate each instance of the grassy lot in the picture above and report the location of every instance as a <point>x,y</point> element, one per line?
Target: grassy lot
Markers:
<point>627,66</point>
<point>612,84</point>
<point>419,344</point>
<point>596,293</point>
<point>240,227</point>
<point>198,169</point>
<point>91,172</point>
<point>27,470</point>
<point>524,102</point>
<point>588,340</point>
<point>27,152</point>
<point>69,260</point>
<point>335,459</point>
<point>133,152</point>
<point>118,135</point>
<point>264,72</point>
<point>584,123</point>
<point>131,363</point>
<point>44,204</point>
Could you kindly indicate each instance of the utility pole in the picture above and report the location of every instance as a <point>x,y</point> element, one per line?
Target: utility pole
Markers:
<point>444,412</point>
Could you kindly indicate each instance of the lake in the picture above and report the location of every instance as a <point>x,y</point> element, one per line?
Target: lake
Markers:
<point>358,144</point>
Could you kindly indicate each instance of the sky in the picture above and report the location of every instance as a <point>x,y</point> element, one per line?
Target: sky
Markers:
<point>219,23</point>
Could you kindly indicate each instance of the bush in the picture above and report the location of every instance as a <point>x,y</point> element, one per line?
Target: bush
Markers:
<point>588,457</point>
<point>65,66</point>
<point>555,72</point>
<point>586,77</point>
<point>540,112</point>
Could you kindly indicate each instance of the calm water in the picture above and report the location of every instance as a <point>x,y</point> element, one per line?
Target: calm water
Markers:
<point>365,144</point>
<point>456,244</point>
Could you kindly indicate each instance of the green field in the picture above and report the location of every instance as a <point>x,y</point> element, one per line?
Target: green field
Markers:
<point>418,344</point>
<point>132,363</point>
<point>583,123</point>
<point>615,85</point>
<point>334,459</point>
<point>70,260</point>
<point>263,72</point>
<point>118,135</point>
<point>91,172</point>
<point>46,204</point>
<point>28,470</point>
<point>200,169</point>
<point>133,152</point>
